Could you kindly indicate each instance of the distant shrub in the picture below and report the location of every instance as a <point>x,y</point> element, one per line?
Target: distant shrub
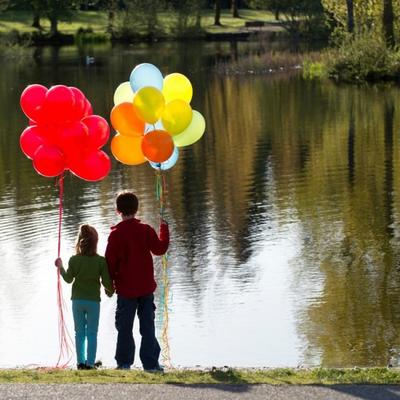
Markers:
<point>362,57</point>
<point>87,35</point>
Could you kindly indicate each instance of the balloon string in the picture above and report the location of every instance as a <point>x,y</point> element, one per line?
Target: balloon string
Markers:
<point>165,353</point>
<point>64,337</point>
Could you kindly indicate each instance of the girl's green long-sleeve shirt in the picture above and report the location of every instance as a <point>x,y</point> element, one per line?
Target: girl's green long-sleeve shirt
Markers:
<point>87,272</point>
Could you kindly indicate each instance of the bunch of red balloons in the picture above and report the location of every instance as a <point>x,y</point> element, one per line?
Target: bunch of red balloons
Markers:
<point>63,134</point>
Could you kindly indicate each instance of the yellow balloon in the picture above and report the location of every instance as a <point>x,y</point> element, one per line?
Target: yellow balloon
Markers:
<point>193,132</point>
<point>123,93</point>
<point>128,149</point>
<point>176,116</point>
<point>177,86</point>
<point>149,103</point>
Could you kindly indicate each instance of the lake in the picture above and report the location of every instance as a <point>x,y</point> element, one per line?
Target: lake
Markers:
<point>284,217</point>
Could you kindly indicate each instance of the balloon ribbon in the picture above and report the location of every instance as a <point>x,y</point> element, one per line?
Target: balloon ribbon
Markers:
<point>65,341</point>
<point>165,352</point>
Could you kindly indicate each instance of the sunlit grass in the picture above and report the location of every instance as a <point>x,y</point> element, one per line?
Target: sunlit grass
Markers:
<point>97,21</point>
<point>213,376</point>
<point>22,21</point>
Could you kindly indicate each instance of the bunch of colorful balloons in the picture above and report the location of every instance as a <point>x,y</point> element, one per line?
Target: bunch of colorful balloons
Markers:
<point>63,134</point>
<point>153,118</point>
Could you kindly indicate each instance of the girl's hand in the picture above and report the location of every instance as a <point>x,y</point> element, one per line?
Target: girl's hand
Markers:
<point>58,263</point>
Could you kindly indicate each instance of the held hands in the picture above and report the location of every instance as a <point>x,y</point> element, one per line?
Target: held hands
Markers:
<point>163,221</point>
<point>108,292</point>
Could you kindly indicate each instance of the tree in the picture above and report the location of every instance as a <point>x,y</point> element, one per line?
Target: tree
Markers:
<point>387,22</point>
<point>217,16</point>
<point>294,12</point>
<point>54,10</point>
<point>188,15</point>
<point>235,8</point>
<point>350,15</point>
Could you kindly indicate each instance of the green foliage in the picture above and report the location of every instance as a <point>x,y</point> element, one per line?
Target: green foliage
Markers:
<point>299,17</point>
<point>188,17</point>
<point>140,18</point>
<point>362,57</point>
<point>314,70</point>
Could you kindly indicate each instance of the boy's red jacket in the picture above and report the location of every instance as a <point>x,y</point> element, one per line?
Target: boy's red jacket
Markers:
<point>129,256</point>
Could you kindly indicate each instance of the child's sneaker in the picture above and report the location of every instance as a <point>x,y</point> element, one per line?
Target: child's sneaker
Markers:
<point>157,368</point>
<point>81,366</point>
<point>124,366</point>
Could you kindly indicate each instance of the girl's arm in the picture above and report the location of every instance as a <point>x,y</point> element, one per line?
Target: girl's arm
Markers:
<point>106,280</point>
<point>67,275</point>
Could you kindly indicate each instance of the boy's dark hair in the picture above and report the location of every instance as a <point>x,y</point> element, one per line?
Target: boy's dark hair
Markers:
<point>127,203</point>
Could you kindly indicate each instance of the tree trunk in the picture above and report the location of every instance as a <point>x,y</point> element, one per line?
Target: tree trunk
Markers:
<point>350,16</point>
<point>36,20</point>
<point>53,25</point>
<point>235,9</point>
<point>277,14</point>
<point>198,18</point>
<point>388,18</point>
<point>111,17</point>
<point>217,17</point>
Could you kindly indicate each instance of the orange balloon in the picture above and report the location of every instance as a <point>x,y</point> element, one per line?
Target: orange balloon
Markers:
<point>126,121</point>
<point>157,146</point>
<point>128,149</point>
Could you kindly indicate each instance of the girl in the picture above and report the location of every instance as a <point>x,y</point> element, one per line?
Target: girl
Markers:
<point>86,269</point>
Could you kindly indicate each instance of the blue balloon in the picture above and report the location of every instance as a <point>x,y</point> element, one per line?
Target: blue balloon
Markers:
<point>167,164</point>
<point>146,75</point>
<point>151,127</point>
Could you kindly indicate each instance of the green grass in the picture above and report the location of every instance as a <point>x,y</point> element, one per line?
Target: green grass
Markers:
<point>22,20</point>
<point>97,21</point>
<point>227,376</point>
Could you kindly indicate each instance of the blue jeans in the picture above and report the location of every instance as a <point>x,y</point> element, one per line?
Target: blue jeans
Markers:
<point>86,320</point>
<point>124,317</point>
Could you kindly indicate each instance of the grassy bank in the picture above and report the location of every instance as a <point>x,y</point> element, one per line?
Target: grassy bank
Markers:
<point>214,376</point>
<point>95,22</point>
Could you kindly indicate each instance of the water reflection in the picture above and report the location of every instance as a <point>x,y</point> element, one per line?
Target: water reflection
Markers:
<point>284,217</point>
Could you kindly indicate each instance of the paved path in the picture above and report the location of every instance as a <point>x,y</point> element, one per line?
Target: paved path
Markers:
<point>197,392</point>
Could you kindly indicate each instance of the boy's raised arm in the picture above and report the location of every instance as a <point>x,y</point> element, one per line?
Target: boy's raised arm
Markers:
<point>159,245</point>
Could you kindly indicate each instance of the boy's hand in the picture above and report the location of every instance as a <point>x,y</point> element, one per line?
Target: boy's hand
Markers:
<point>163,221</point>
<point>58,263</point>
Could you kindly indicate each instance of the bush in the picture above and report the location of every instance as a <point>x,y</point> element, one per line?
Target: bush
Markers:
<point>362,57</point>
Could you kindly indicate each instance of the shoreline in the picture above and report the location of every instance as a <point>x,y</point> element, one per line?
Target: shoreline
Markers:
<point>37,39</point>
<point>225,375</point>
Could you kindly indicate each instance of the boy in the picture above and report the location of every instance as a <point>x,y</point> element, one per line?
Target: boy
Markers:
<point>130,263</point>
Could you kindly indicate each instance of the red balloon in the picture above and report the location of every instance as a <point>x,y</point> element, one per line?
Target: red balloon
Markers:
<point>59,104</point>
<point>49,132</point>
<point>157,146</point>
<point>88,108</point>
<point>93,166</point>
<point>31,101</point>
<point>30,140</point>
<point>49,161</point>
<point>80,103</point>
<point>99,131</point>
<point>72,137</point>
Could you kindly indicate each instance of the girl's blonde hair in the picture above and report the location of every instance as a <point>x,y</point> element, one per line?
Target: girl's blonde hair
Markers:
<point>86,242</point>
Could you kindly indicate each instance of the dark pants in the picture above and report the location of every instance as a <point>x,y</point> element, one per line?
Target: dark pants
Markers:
<point>124,317</point>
